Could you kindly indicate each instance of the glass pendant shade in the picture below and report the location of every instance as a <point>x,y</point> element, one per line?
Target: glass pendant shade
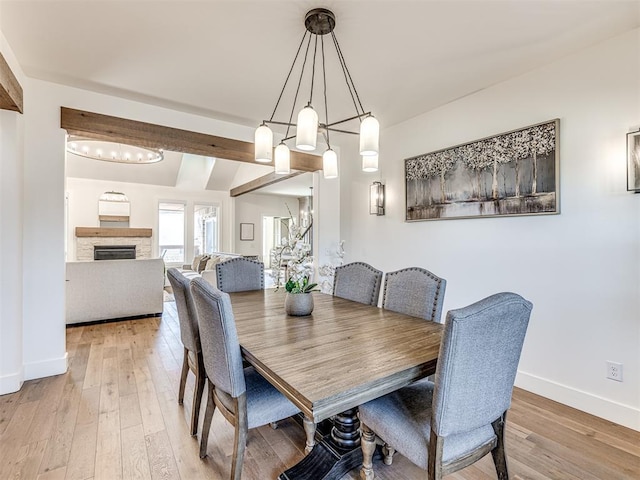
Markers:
<point>307,129</point>
<point>264,144</point>
<point>369,136</point>
<point>370,163</point>
<point>282,160</point>
<point>330,164</point>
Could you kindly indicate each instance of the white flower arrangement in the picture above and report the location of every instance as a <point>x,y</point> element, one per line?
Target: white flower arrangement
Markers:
<point>295,253</point>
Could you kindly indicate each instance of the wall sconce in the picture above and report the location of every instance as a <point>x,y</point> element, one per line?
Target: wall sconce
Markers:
<point>376,199</point>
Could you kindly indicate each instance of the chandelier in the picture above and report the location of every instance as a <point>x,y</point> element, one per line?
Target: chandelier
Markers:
<point>111,151</point>
<point>318,22</point>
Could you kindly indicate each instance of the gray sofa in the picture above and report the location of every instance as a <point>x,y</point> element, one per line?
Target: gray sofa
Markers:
<point>108,289</point>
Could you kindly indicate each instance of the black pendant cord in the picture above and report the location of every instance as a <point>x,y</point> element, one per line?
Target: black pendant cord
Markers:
<point>313,69</point>
<point>295,59</point>
<point>326,108</point>
<point>347,78</point>
<point>295,98</point>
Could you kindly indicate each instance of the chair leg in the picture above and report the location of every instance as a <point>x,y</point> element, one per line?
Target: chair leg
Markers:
<point>240,443</point>
<point>197,395</point>
<point>310,432</point>
<point>206,424</point>
<point>368,445</point>
<point>183,376</point>
<point>388,452</point>
<point>499,453</point>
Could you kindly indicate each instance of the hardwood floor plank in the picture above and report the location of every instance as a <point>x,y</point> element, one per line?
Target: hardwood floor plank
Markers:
<point>43,421</point>
<point>57,474</point>
<point>8,405</point>
<point>59,445</point>
<point>28,460</point>
<point>161,459</point>
<point>82,459</point>
<point>148,400</point>
<point>12,440</point>
<point>135,462</point>
<point>108,448</point>
<point>130,411</point>
<point>93,375</point>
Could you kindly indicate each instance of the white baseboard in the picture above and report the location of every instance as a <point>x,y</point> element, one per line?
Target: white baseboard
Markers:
<point>46,368</point>
<point>11,383</point>
<point>619,413</point>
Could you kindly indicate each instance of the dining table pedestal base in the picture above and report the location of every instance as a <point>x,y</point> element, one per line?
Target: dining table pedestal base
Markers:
<point>329,460</point>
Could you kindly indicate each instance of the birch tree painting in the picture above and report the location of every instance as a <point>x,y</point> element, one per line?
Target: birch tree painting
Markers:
<point>513,173</point>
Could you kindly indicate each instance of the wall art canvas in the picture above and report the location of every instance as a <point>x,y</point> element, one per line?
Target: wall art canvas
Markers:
<point>513,173</point>
<point>633,161</point>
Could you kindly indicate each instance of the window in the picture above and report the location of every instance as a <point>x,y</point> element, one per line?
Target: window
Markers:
<point>171,232</point>
<point>205,229</point>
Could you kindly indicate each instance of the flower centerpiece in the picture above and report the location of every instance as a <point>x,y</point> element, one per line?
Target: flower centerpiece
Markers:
<point>294,256</point>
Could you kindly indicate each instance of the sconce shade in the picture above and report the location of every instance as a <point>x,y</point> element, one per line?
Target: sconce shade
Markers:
<point>264,144</point>
<point>369,136</point>
<point>283,159</point>
<point>330,164</point>
<point>376,199</point>
<point>370,163</point>
<point>307,129</point>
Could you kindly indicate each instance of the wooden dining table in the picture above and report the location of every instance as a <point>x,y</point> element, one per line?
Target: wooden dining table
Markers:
<point>342,355</point>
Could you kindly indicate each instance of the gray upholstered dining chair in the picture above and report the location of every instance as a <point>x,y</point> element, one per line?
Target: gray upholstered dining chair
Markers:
<point>447,425</point>
<point>240,274</point>
<point>243,396</point>
<point>414,291</point>
<point>357,281</point>
<point>190,337</point>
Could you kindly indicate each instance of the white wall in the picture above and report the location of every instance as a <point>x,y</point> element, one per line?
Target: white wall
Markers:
<point>581,269</point>
<point>83,208</point>
<point>11,225</point>
<point>250,208</point>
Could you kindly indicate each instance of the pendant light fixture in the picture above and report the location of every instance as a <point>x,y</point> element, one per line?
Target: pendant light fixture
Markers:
<point>319,23</point>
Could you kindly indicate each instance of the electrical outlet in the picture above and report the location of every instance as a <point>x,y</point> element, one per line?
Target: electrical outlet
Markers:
<point>614,371</point>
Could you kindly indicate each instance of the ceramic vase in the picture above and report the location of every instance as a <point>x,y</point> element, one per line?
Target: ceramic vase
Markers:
<point>298,304</point>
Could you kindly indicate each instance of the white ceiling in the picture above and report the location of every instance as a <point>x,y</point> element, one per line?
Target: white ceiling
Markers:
<point>228,59</point>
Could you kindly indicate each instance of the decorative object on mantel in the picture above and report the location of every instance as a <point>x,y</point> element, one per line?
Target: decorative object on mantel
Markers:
<point>376,199</point>
<point>114,207</point>
<point>633,161</point>
<point>318,22</point>
<point>513,173</point>
<point>112,152</point>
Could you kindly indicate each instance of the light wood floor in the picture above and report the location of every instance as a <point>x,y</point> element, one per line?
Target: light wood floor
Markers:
<point>115,415</point>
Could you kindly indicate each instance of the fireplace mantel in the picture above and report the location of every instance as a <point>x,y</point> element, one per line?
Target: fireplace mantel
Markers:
<point>112,232</point>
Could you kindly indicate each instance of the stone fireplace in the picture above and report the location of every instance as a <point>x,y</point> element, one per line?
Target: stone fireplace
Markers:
<point>88,238</point>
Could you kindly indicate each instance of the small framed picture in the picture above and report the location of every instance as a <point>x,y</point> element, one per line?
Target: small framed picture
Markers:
<point>246,231</point>
<point>633,161</point>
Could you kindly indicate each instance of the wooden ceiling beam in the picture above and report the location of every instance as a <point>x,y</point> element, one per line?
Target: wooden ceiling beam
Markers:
<point>115,129</point>
<point>260,182</point>
<point>10,89</point>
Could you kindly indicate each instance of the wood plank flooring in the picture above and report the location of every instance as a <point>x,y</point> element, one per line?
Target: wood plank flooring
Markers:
<point>114,415</point>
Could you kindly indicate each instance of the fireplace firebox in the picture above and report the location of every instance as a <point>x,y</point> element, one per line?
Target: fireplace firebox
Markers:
<point>114,252</point>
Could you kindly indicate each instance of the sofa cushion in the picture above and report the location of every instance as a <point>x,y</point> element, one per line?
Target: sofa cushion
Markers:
<point>196,262</point>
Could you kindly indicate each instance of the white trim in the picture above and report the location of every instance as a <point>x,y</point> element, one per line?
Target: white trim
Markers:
<point>46,368</point>
<point>11,383</point>
<point>619,413</point>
